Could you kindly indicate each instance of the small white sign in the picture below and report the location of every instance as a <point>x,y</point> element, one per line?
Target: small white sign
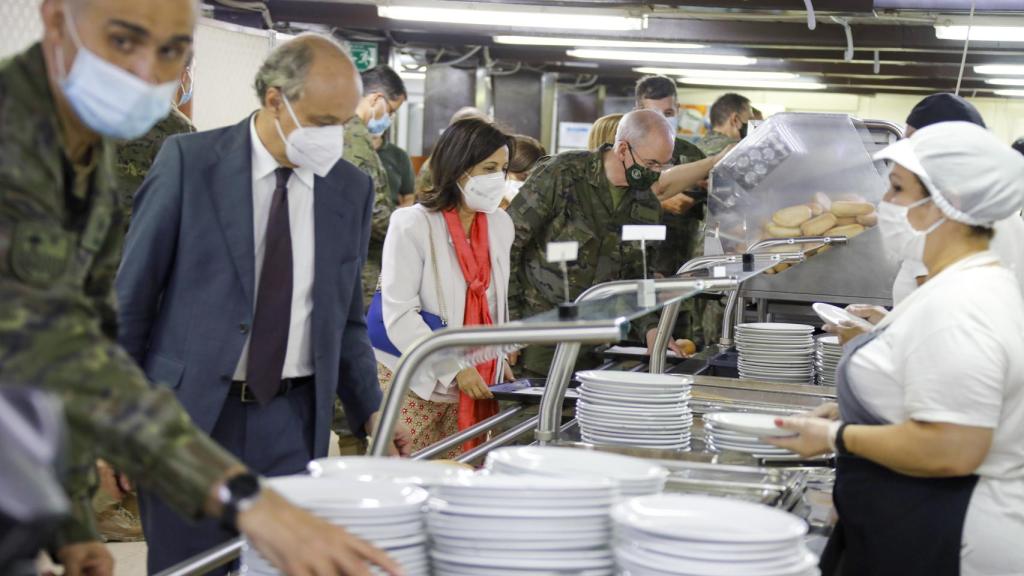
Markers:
<point>719,272</point>
<point>563,251</point>
<point>573,135</point>
<point>633,232</point>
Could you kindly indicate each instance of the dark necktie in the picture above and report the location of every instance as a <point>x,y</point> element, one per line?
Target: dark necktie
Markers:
<point>269,340</point>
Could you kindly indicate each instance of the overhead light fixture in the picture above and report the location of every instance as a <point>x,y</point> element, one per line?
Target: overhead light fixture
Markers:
<point>981,33</point>
<point>765,84</point>
<point>1012,93</point>
<point>666,57</point>
<point>999,70</point>
<point>519,16</point>
<point>738,74</point>
<point>592,43</point>
<point>1005,81</point>
<point>412,75</point>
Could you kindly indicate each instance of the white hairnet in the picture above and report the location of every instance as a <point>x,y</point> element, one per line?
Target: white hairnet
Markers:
<point>973,177</point>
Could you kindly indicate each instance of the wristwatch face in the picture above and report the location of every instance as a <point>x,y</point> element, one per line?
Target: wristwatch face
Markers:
<point>243,486</point>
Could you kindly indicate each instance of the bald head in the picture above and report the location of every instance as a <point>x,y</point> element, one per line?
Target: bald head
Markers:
<point>641,127</point>
<point>306,62</point>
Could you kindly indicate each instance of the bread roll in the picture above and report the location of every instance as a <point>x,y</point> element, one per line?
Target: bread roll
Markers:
<point>775,231</point>
<point>793,216</point>
<point>847,209</point>
<point>782,267</point>
<point>687,346</point>
<point>816,209</point>
<point>849,231</point>
<point>818,225</point>
<point>824,200</point>
<point>845,221</point>
<point>868,220</point>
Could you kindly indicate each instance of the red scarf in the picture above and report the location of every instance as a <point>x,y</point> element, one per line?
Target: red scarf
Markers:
<point>475,261</point>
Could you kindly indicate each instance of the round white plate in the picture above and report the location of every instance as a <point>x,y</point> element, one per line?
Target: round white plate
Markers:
<point>754,446</point>
<point>518,540</point>
<point>366,468</point>
<point>351,497</point>
<point>669,381</point>
<point>443,568</point>
<point>748,423</point>
<point>500,553</point>
<point>524,562</point>
<point>480,524</point>
<point>574,502</point>
<point>774,327</point>
<point>708,519</point>
<point>654,410</point>
<point>636,401</point>
<point>611,424</point>
<point>524,484</point>
<point>835,315</point>
<point>574,463</point>
<point>751,451</point>
<point>799,563</point>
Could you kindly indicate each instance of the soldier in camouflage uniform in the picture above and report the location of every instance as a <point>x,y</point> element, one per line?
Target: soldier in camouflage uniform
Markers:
<point>134,157</point>
<point>584,196</point>
<point>383,94</point>
<point>61,231</point>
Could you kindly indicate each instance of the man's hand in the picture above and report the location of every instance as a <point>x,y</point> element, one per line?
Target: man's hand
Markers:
<point>86,559</point>
<point>299,543</point>
<point>815,436</point>
<point>828,410</point>
<point>472,384</point>
<point>652,334</point>
<point>678,204</point>
<point>112,483</point>
<point>873,314</point>
<point>401,440</point>
<point>845,330</point>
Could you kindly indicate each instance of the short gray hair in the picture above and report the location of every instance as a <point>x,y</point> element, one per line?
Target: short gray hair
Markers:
<point>639,125</point>
<point>288,65</point>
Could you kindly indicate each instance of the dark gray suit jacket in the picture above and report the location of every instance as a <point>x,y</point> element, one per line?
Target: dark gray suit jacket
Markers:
<point>185,287</point>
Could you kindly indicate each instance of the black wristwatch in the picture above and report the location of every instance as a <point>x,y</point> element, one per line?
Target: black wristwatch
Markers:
<point>840,443</point>
<point>237,495</point>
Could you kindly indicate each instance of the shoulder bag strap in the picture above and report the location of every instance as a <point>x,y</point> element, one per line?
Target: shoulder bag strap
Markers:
<point>437,276</point>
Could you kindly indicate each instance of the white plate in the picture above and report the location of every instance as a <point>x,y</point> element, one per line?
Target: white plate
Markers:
<point>765,452</point>
<point>483,484</point>
<point>753,424</point>
<point>576,463</point>
<point>774,327</point>
<point>834,315</point>
<point>708,519</point>
<point>752,448</point>
<point>669,381</point>
<point>799,564</point>
<point>637,401</point>
<point>531,526</point>
<point>518,540</point>
<point>351,497</point>
<point>443,568</point>
<point>501,553</point>
<point>366,468</point>
<point>572,503</point>
<point>524,562</point>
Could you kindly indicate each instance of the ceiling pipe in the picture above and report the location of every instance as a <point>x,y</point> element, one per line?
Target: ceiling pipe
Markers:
<point>811,22</point>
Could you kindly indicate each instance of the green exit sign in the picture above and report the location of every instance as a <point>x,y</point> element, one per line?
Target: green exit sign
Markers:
<point>364,54</point>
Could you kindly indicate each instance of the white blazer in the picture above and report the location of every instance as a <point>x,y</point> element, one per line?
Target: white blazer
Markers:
<point>409,284</point>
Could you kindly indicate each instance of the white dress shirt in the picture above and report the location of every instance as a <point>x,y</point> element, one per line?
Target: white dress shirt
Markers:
<point>298,359</point>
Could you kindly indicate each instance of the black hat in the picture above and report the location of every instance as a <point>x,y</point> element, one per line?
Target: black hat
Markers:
<point>1018,145</point>
<point>943,107</point>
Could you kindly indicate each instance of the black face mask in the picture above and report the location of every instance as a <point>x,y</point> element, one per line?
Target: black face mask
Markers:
<point>743,131</point>
<point>638,176</point>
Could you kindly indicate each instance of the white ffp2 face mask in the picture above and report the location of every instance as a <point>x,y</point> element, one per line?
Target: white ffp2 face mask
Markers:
<point>512,189</point>
<point>484,193</point>
<point>315,147</point>
<point>898,236</point>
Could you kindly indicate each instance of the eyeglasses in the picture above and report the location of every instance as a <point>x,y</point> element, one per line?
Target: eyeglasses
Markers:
<point>650,164</point>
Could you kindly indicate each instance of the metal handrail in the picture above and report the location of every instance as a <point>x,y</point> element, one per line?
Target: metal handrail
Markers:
<point>206,561</point>
<point>564,360</point>
<point>468,434</point>
<point>499,440</point>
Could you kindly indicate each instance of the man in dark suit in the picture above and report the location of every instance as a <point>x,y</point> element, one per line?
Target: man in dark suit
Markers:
<point>240,285</point>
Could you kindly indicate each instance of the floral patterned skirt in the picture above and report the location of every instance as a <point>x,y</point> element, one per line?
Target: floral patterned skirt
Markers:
<point>428,422</point>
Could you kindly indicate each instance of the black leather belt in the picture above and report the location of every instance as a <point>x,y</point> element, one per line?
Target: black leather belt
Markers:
<point>241,390</point>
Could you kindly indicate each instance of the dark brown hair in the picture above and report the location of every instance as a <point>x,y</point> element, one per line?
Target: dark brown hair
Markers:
<point>528,151</point>
<point>463,145</point>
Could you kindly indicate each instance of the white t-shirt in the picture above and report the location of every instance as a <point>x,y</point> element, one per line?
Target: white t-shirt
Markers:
<point>956,355</point>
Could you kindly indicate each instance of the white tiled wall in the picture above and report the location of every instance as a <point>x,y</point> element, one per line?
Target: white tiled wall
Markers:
<point>20,25</point>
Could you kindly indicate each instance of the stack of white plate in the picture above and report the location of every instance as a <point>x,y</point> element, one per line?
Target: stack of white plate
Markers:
<point>826,359</point>
<point>634,476</point>
<point>689,535</point>
<point>521,525</point>
<point>368,469</point>
<point>635,409</point>
<point>741,432</point>
<point>388,514</point>
<point>775,352</point>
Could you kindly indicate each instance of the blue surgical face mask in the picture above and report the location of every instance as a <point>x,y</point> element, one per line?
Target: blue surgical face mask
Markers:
<point>108,99</point>
<point>186,93</point>
<point>378,126</point>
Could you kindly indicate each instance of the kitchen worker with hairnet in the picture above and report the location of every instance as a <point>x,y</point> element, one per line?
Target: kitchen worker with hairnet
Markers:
<point>930,415</point>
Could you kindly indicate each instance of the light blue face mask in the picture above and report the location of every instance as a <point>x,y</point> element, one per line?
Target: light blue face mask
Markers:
<point>378,126</point>
<point>108,99</point>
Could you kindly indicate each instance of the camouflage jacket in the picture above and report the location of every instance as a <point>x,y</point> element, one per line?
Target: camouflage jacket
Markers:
<point>61,230</point>
<point>715,142</point>
<point>135,157</point>
<point>568,197</point>
<point>681,231</point>
<point>359,151</point>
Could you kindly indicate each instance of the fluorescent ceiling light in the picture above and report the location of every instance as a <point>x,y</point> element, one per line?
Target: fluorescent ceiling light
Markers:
<point>737,74</point>
<point>592,43</point>
<point>1014,93</point>
<point>981,33</point>
<point>412,75</point>
<point>522,16</point>
<point>1005,81</point>
<point>768,84</point>
<point>999,70</point>
<point>666,57</point>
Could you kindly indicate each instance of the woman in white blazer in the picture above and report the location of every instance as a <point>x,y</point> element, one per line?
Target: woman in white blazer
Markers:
<point>456,233</point>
